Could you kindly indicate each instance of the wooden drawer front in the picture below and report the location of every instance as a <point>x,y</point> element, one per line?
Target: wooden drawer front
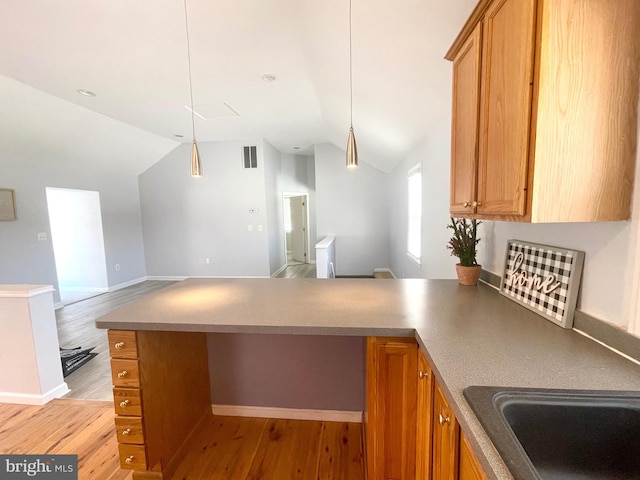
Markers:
<point>130,430</point>
<point>127,401</point>
<point>133,457</point>
<point>122,344</point>
<point>125,373</point>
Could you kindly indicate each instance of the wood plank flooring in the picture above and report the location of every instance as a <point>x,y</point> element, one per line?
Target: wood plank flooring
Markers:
<point>76,328</point>
<point>224,448</point>
<point>83,428</point>
<point>230,448</point>
<point>304,270</point>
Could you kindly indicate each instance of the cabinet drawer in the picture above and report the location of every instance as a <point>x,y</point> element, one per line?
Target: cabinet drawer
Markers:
<point>127,401</point>
<point>122,344</point>
<point>125,373</point>
<point>130,430</point>
<point>133,457</point>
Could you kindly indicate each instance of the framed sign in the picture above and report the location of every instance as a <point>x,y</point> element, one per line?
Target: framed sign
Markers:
<point>7,204</point>
<point>544,279</point>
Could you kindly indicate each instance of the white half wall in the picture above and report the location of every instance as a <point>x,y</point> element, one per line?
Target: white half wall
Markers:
<point>352,205</point>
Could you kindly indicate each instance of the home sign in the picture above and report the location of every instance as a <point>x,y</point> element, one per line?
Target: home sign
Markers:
<point>544,279</point>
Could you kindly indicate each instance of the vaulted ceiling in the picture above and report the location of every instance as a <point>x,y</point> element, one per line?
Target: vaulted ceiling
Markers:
<point>132,54</point>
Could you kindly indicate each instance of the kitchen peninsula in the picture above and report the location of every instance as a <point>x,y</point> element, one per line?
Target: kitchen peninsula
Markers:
<point>469,336</point>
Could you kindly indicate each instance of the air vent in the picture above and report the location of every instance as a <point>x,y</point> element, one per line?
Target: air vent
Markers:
<point>250,157</point>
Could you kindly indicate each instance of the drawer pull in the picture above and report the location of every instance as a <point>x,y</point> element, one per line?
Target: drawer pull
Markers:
<point>129,459</point>
<point>442,420</point>
<point>123,374</point>
<point>422,374</point>
<point>119,344</point>
<point>126,432</point>
<point>124,403</point>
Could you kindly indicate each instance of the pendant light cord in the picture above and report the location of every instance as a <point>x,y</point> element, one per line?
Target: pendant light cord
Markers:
<point>186,24</point>
<point>350,71</point>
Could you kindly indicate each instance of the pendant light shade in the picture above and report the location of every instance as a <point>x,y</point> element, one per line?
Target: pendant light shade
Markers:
<point>352,150</point>
<point>196,166</point>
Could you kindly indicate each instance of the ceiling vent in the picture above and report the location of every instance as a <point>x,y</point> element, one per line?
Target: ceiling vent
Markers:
<point>250,157</point>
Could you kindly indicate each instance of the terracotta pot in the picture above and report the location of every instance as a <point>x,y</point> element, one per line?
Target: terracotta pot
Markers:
<point>468,275</point>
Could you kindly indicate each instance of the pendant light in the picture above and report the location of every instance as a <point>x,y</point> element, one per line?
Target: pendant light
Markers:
<point>196,166</point>
<point>352,150</point>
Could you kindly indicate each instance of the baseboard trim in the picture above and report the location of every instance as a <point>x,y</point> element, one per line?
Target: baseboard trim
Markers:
<point>130,283</point>
<point>85,289</point>
<point>33,399</point>
<point>58,305</point>
<point>287,413</point>
<point>279,271</point>
<point>386,270</point>
<point>166,278</point>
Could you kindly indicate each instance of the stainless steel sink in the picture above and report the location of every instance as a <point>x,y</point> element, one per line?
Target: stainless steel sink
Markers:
<point>562,434</point>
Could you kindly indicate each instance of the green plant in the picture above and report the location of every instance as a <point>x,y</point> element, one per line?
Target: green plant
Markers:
<point>464,241</point>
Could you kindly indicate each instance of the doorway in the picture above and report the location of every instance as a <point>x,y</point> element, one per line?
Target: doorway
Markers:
<point>75,219</point>
<point>296,228</point>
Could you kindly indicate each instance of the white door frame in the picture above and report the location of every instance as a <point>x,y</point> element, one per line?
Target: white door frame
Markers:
<point>307,239</point>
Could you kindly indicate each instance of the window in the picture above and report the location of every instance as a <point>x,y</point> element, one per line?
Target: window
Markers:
<point>414,229</point>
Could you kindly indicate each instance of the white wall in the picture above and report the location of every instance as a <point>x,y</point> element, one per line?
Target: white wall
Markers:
<point>273,202</point>
<point>185,218</point>
<point>24,259</point>
<point>78,241</point>
<point>352,205</point>
<point>436,261</point>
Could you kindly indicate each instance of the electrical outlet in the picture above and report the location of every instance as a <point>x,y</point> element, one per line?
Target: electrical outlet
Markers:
<point>201,261</point>
<point>250,228</point>
<point>207,260</point>
<point>259,228</point>
<point>42,236</point>
<point>117,267</point>
<point>253,210</point>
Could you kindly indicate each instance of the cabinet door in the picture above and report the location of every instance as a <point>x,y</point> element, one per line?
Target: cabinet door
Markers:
<point>425,419</point>
<point>391,403</point>
<point>464,124</point>
<point>445,439</point>
<point>505,114</point>
<point>469,467</point>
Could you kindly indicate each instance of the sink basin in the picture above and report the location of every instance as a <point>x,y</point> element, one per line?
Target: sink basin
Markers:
<point>562,434</point>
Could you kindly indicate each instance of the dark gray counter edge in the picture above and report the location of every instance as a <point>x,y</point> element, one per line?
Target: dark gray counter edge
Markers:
<point>607,333</point>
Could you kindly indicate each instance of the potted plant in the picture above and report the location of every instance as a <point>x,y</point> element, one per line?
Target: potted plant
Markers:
<point>463,245</point>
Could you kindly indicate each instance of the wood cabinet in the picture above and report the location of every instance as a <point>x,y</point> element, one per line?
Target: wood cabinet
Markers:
<point>390,429</point>
<point>468,466</point>
<point>445,439</point>
<point>424,418</point>
<point>161,393</point>
<point>544,120</point>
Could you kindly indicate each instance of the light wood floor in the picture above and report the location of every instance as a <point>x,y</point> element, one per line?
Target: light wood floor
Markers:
<point>83,428</point>
<point>230,448</point>
<point>225,448</point>
<point>76,328</point>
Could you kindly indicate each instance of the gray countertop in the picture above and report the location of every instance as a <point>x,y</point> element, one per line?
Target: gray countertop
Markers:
<point>470,335</point>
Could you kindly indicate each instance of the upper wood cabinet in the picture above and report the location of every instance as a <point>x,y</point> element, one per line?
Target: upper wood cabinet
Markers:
<point>545,100</point>
<point>392,373</point>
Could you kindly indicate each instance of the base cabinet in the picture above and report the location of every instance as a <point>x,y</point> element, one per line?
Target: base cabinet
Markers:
<point>411,431</point>
<point>468,466</point>
<point>445,439</point>
<point>424,432</point>
<point>391,408</point>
